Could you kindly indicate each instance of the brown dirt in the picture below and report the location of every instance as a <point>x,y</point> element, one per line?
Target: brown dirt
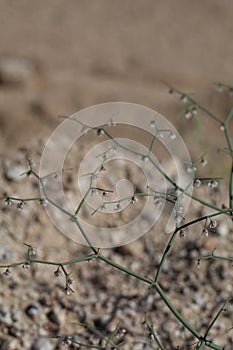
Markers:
<point>58,57</point>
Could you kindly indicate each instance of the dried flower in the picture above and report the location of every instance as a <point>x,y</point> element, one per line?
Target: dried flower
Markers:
<point>222,127</point>
<point>105,195</point>
<point>7,273</point>
<point>212,224</point>
<point>43,202</point>
<point>191,168</point>
<point>152,124</point>
<point>205,232</point>
<point>184,98</point>
<point>31,252</point>
<point>21,205</point>
<point>188,114</point>
<point>182,233</point>
<point>213,184</point>
<point>160,135</point>
<point>94,192</point>
<point>26,266</point>
<point>144,158</point>
<point>70,282</point>
<point>66,342</point>
<point>197,183</point>
<point>8,201</point>
<point>172,135</point>
<point>100,132</point>
<point>203,162</point>
<point>67,290</point>
<point>194,110</point>
<point>133,200</point>
<point>122,332</point>
<point>58,273</point>
<point>117,207</point>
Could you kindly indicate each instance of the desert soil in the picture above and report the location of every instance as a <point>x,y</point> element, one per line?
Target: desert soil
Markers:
<point>57,57</point>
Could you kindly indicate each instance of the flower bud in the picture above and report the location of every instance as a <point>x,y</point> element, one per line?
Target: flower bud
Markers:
<point>197,183</point>
<point>7,273</point>
<point>58,273</point>
<point>182,233</point>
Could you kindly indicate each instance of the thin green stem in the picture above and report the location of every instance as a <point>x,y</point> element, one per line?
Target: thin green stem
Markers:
<point>215,318</point>
<point>55,263</point>
<point>171,240</point>
<point>195,103</point>
<point>213,256</point>
<point>154,335</point>
<point>85,236</point>
<point>124,269</point>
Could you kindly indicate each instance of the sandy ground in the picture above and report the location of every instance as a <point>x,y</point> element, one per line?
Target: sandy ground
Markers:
<point>57,57</point>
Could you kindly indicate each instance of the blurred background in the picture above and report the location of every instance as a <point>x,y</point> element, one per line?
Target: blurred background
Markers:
<point>57,57</point>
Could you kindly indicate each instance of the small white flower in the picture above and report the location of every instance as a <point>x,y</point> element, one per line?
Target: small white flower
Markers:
<point>182,233</point>
<point>184,98</point>
<point>203,162</point>
<point>105,195</point>
<point>188,114</point>
<point>8,201</point>
<point>194,110</point>
<point>222,127</point>
<point>152,124</point>
<point>100,132</point>
<point>133,200</point>
<point>7,273</point>
<point>144,158</point>
<point>213,184</point>
<point>190,169</point>
<point>66,342</point>
<point>117,207</point>
<point>67,290</point>
<point>26,266</point>
<point>20,205</point>
<point>197,183</point>
<point>172,135</point>
<point>213,224</point>
<point>43,202</point>
<point>205,232</point>
<point>160,135</point>
<point>58,273</point>
<point>94,192</point>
